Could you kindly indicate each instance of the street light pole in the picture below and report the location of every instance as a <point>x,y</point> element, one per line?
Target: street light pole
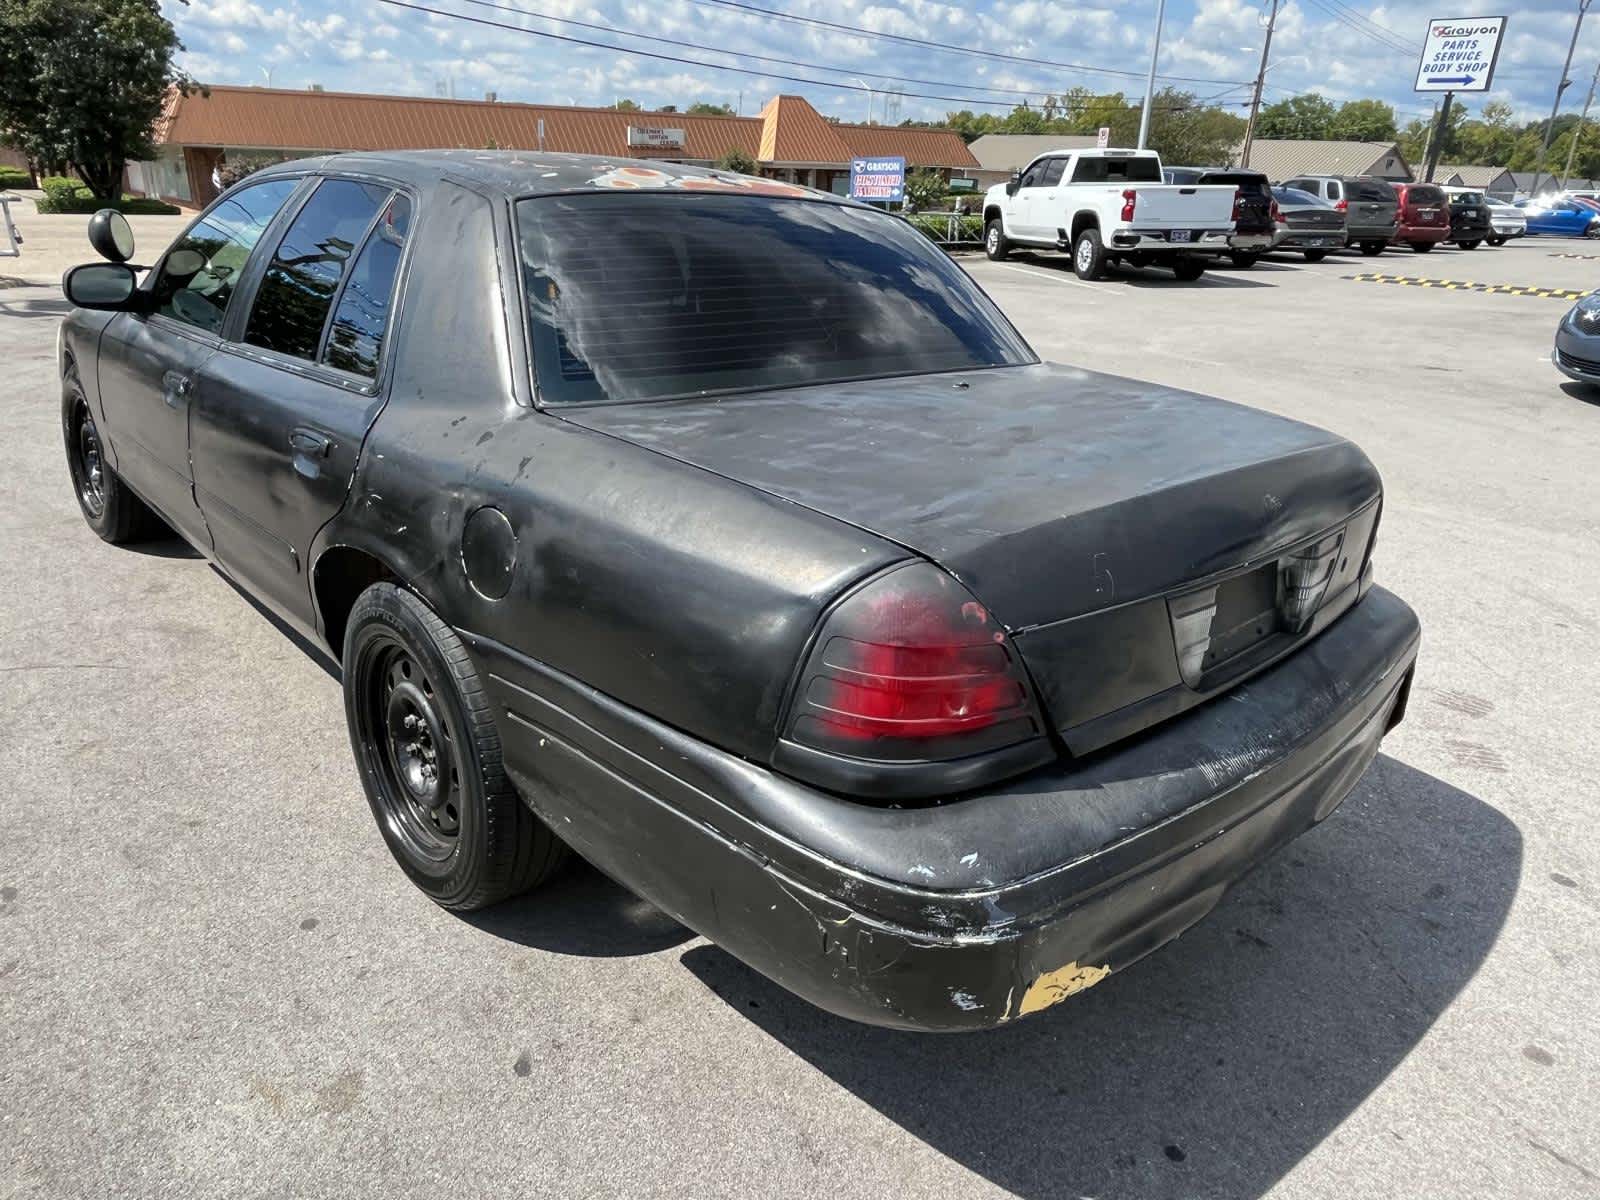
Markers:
<point>1150,82</point>
<point>1578,132</point>
<point>1544,147</point>
<point>1255,98</point>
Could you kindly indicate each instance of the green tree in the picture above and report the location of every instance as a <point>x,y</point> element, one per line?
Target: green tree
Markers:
<point>1363,121</point>
<point>1414,141</point>
<point>1307,116</point>
<point>1184,132</point>
<point>83,81</point>
<point>925,187</point>
<point>628,106</point>
<point>738,162</point>
<point>701,108</point>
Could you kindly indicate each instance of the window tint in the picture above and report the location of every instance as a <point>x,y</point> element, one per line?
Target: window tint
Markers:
<point>1030,177</point>
<point>1117,170</point>
<point>296,293</point>
<point>650,296</point>
<point>359,323</point>
<point>1052,172</point>
<point>201,270</point>
<point>1471,198</point>
<point>1183,175</point>
<point>1369,189</point>
<point>1334,191</point>
<point>1421,193</point>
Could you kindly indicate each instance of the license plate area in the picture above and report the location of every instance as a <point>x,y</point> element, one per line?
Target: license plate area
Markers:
<point>1230,626</point>
<point>1179,235</point>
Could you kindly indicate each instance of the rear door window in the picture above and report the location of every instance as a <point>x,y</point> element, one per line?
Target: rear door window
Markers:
<point>296,295</point>
<point>361,319</point>
<point>1331,189</point>
<point>199,273</point>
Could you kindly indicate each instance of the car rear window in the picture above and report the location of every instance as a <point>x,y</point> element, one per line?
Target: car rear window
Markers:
<point>647,297</point>
<point>1419,193</point>
<point>1368,189</point>
<point>1250,182</point>
<point>1468,198</point>
<point>1146,169</point>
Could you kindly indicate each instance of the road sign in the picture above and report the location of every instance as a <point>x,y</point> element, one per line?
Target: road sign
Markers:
<point>1103,138</point>
<point>878,179</point>
<point>1459,54</point>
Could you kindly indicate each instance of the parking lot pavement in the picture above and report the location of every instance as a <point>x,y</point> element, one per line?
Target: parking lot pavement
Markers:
<point>213,981</point>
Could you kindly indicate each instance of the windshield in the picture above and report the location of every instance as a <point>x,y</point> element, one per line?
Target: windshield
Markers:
<point>648,297</point>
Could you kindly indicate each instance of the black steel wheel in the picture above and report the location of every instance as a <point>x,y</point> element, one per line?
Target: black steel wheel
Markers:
<point>108,506</point>
<point>429,753</point>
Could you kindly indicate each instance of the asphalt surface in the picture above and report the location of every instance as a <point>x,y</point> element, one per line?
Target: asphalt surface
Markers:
<point>214,982</point>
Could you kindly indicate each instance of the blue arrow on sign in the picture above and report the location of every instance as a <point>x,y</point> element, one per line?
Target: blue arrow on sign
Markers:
<point>1463,79</point>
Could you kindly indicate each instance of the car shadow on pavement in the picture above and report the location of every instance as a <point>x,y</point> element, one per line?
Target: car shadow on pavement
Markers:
<point>1146,276</point>
<point>582,912</point>
<point>1589,393</point>
<point>13,303</point>
<point>1214,1066</point>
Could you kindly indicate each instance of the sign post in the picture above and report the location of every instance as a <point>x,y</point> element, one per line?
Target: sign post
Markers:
<point>1458,55</point>
<point>879,179</point>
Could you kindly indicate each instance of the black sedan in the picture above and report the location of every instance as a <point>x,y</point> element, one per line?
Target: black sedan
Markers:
<point>1577,349</point>
<point>1307,223</point>
<point>727,534</point>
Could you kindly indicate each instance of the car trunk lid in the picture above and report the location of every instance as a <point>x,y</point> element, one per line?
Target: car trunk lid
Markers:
<point>1052,493</point>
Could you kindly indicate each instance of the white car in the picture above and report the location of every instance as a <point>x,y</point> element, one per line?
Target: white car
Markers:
<point>1109,206</point>
<point>1508,221</point>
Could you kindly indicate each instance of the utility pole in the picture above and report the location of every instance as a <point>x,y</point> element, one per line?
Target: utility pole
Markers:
<point>1578,132</point>
<point>1436,142</point>
<point>1255,98</point>
<point>1544,147</point>
<point>1150,82</point>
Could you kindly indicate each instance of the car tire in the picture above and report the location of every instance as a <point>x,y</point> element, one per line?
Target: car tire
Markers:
<point>1089,255</point>
<point>995,243</point>
<point>1422,247</point>
<point>429,754</point>
<point>108,505</point>
<point>1188,268</point>
<point>1372,248</point>
<point>1470,244</point>
<point>1593,230</point>
<point>1244,259</point>
<point>1315,255</point>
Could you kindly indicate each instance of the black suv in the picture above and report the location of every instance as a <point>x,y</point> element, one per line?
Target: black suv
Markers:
<point>1469,219</point>
<point>1370,206</point>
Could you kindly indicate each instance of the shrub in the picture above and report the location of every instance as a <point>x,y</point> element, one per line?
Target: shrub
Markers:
<point>938,226</point>
<point>14,177</point>
<point>236,169</point>
<point>62,195</point>
<point>738,162</point>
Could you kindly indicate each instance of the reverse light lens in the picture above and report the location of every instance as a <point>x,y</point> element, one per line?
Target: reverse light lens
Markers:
<point>1277,214</point>
<point>1303,579</point>
<point>912,667</point>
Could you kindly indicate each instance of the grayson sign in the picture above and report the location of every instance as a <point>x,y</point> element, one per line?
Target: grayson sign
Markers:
<point>655,137</point>
<point>1459,54</point>
<point>878,179</point>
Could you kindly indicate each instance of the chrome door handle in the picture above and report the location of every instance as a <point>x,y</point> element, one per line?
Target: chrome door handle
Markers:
<point>310,442</point>
<point>176,388</point>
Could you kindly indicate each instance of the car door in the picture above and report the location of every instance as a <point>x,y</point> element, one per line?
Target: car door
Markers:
<point>1023,199</point>
<point>1045,203</point>
<point>287,399</point>
<point>150,361</point>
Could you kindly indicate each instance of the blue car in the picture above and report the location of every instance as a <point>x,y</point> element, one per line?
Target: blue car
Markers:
<point>1562,217</point>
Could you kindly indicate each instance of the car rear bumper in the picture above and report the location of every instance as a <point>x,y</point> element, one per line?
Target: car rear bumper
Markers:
<point>1371,233</point>
<point>986,908</point>
<point>1422,233</point>
<point>1169,240</point>
<point>1309,239</point>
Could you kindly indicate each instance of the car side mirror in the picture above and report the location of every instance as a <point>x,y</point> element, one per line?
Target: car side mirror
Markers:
<point>106,287</point>
<point>1011,185</point>
<point>111,235</point>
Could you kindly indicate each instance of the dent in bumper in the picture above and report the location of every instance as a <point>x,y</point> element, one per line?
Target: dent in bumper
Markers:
<point>973,913</point>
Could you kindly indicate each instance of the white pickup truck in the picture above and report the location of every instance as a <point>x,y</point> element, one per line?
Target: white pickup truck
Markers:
<point>1107,206</point>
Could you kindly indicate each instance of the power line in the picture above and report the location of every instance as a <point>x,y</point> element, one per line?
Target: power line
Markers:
<point>1029,94</point>
<point>694,62</point>
<point>1388,43</point>
<point>858,31</point>
<point>1383,31</point>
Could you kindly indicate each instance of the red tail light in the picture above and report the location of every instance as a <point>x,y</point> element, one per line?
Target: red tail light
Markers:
<point>912,667</point>
<point>1130,197</point>
<point>1238,202</point>
<point>1277,214</point>
<point>1343,206</point>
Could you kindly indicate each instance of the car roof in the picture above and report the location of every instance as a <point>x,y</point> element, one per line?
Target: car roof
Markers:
<point>533,172</point>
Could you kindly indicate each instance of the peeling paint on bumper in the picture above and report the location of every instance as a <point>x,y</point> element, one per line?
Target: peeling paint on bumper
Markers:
<point>973,913</point>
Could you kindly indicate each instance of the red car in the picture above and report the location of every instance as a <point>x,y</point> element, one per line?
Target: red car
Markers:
<point>1424,216</point>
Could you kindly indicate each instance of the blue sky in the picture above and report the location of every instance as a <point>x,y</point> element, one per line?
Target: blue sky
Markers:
<point>1329,46</point>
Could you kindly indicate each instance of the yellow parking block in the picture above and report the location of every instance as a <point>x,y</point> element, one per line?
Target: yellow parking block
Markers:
<point>1467,285</point>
